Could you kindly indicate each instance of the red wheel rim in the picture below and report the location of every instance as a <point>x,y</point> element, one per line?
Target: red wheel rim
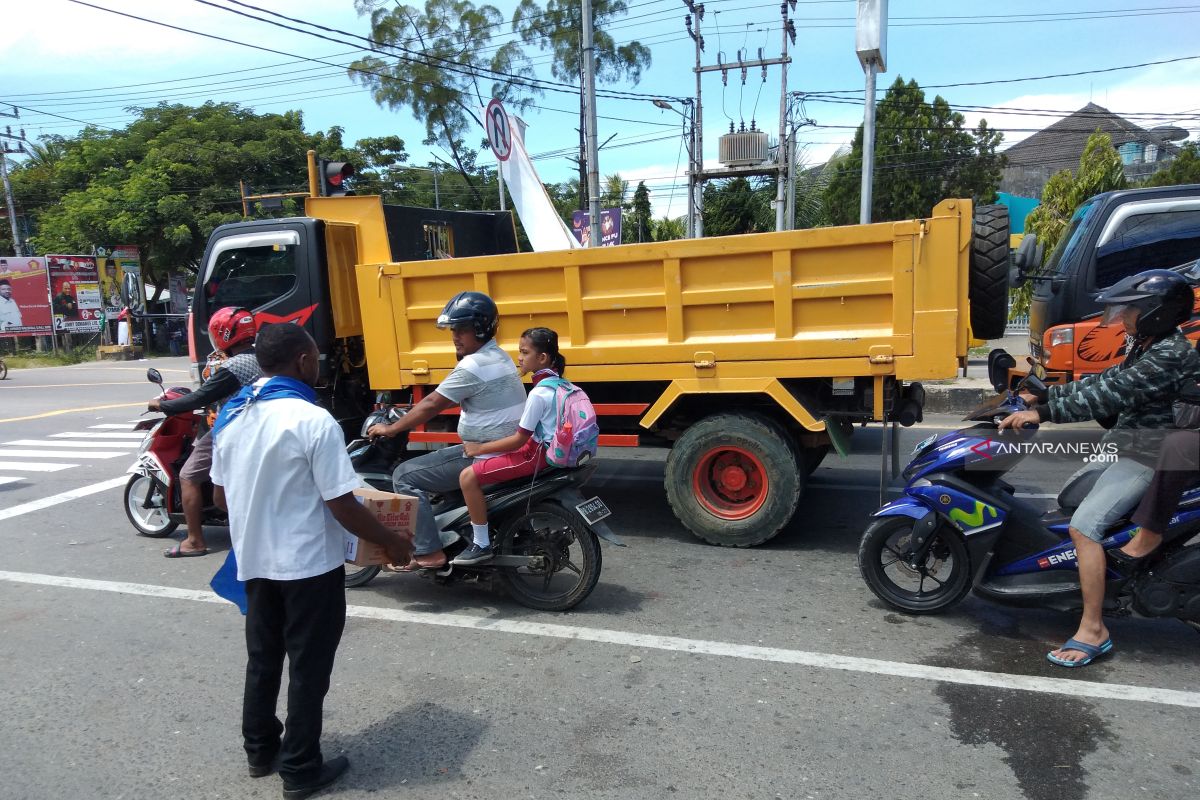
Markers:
<point>730,483</point>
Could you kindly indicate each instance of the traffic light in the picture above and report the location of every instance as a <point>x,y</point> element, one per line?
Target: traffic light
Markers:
<point>333,177</point>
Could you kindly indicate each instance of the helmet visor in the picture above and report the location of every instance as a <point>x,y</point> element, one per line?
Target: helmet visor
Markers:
<point>1113,314</point>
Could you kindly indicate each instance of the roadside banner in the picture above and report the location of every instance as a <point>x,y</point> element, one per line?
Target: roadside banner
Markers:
<point>177,283</point>
<point>24,297</point>
<point>610,227</point>
<point>74,293</point>
<point>113,263</point>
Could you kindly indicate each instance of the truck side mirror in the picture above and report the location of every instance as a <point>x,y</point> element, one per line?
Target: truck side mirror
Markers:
<point>1027,260</point>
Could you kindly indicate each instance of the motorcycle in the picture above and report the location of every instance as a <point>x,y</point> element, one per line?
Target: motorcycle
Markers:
<point>153,502</point>
<point>959,527</point>
<point>546,534</point>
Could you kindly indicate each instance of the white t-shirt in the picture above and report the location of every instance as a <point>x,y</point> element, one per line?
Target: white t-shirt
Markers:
<point>279,461</point>
<point>540,408</point>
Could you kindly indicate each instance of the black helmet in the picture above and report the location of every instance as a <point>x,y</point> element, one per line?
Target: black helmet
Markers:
<point>471,308</point>
<point>1164,297</point>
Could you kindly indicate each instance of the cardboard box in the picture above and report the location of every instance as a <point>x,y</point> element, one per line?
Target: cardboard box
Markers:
<point>396,512</point>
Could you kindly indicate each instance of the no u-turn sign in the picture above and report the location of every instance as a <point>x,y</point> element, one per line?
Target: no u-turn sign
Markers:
<point>499,132</point>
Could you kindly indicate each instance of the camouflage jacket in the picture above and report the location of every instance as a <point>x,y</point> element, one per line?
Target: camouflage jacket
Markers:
<point>1139,392</point>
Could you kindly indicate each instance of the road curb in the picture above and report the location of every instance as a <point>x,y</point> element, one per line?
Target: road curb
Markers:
<point>950,399</point>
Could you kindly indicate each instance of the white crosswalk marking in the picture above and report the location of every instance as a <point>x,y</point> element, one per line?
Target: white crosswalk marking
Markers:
<point>61,443</point>
<point>99,435</point>
<point>33,466</point>
<point>4,479</point>
<point>115,426</point>
<point>6,453</point>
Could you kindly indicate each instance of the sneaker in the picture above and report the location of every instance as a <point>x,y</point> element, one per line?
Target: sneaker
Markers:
<point>474,555</point>
<point>331,770</point>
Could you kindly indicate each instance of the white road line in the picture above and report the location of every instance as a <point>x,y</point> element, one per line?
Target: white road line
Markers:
<point>804,658</point>
<point>4,480</point>
<point>862,487</point>
<point>72,443</point>
<point>6,453</point>
<point>53,500</point>
<point>99,435</point>
<point>33,466</point>
<point>115,426</point>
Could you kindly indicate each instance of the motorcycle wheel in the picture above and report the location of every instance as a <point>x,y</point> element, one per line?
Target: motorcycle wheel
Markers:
<point>3,370</point>
<point>940,582</point>
<point>360,576</point>
<point>570,555</point>
<point>154,522</point>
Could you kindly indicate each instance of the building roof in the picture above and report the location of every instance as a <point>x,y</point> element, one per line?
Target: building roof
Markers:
<point>1060,145</point>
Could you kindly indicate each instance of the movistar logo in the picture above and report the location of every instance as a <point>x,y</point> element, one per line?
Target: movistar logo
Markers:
<point>975,518</point>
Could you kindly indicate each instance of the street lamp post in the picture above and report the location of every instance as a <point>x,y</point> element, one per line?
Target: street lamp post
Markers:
<point>693,177</point>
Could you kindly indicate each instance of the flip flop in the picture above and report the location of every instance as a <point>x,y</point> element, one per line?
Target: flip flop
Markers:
<point>175,552</point>
<point>1091,653</point>
<point>413,566</point>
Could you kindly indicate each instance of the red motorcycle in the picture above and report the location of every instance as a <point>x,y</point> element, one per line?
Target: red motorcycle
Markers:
<point>152,495</point>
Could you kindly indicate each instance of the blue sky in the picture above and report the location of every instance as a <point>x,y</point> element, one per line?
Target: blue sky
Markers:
<point>58,58</point>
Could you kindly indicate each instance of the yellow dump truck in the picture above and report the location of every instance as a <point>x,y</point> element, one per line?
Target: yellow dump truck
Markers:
<point>749,357</point>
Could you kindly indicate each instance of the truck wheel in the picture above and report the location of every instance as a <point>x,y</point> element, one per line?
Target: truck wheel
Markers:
<point>734,479</point>
<point>989,272</point>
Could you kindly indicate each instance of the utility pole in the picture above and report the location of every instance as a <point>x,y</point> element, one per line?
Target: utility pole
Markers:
<point>18,248</point>
<point>870,42</point>
<point>589,94</point>
<point>696,178</point>
<point>782,221</point>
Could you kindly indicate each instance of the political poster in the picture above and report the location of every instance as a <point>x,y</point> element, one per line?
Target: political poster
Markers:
<point>24,297</point>
<point>177,285</point>
<point>113,264</point>
<point>75,293</point>
<point>610,227</point>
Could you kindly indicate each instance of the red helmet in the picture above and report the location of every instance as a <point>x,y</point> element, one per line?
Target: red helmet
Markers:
<point>231,325</point>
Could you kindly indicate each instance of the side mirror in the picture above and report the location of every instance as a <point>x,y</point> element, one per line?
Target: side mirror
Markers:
<point>154,376</point>
<point>999,363</point>
<point>1027,261</point>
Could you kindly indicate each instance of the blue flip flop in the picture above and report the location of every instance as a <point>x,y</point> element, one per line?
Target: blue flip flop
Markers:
<point>1091,653</point>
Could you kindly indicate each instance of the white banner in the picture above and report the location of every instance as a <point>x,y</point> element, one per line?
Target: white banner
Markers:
<point>546,230</point>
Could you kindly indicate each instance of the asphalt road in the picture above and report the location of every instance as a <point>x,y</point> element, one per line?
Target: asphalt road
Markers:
<point>691,672</point>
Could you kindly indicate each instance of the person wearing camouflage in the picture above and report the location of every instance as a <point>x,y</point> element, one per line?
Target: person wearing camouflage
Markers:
<point>1138,393</point>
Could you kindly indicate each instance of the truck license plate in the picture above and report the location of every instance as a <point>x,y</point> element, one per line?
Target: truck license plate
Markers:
<point>593,510</point>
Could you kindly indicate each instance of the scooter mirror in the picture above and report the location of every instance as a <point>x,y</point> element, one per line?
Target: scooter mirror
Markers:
<point>154,376</point>
<point>999,363</point>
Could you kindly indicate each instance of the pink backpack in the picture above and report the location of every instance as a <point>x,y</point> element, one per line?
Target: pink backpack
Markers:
<point>577,430</point>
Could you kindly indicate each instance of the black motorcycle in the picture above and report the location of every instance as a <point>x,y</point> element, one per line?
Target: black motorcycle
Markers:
<point>546,533</point>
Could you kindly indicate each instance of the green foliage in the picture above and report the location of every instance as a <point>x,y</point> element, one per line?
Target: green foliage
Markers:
<point>1100,170</point>
<point>923,154</point>
<point>163,182</point>
<point>668,228</point>
<point>737,206</point>
<point>1184,168</point>
<point>556,26</point>
<point>638,229</point>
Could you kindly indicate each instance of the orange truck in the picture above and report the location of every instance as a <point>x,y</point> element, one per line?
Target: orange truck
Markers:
<point>1110,236</point>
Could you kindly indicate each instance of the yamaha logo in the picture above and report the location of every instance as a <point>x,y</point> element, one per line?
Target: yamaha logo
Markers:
<point>944,499</point>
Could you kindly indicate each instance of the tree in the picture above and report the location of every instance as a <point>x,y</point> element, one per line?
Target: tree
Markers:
<point>666,229</point>
<point>555,28</point>
<point>1100,170</point>
<point>164,181</point>
<point>923,154</point>
<point>736,206</point>
<point>439,63</point>
<point>613,192</point>
<point>1184,168</point>
<point>641,219</point>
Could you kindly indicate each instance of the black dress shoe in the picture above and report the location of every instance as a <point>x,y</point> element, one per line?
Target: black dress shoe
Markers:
<point>331,770</point>
<point>263,770</point>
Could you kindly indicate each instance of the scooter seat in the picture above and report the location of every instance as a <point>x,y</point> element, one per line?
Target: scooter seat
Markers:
<point>519,483</point>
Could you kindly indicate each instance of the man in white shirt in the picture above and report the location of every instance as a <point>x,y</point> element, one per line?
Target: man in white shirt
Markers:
<point>10,312</point>
<point>280,467</point>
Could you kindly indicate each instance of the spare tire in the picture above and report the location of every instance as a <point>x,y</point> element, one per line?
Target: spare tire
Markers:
<point>989,272</point>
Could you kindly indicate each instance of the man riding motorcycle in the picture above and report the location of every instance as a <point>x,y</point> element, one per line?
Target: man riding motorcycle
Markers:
<point>487,387</point>
<point>1139,392</point>
<point>231,331</point>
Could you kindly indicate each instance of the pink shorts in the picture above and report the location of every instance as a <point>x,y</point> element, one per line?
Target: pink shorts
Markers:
<point>522,463</point>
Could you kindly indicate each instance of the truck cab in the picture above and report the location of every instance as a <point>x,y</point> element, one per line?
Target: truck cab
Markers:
<point>1109,237</point>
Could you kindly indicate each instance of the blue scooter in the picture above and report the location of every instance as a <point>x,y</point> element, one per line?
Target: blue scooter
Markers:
<point>959,526</point>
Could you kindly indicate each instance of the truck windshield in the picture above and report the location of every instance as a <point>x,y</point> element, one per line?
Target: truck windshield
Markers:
<point>251,277</point>
<point>1063,256</point>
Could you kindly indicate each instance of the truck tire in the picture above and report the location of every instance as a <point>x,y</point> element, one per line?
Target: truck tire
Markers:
<point>989,272</point>
<point>734,479</point>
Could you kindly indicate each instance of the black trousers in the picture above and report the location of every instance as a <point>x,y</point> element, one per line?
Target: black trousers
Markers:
<point>302,619</point>
<point>1178,466</point>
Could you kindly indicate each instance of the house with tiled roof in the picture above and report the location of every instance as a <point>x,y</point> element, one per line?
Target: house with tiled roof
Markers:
<point>1032,161</point>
